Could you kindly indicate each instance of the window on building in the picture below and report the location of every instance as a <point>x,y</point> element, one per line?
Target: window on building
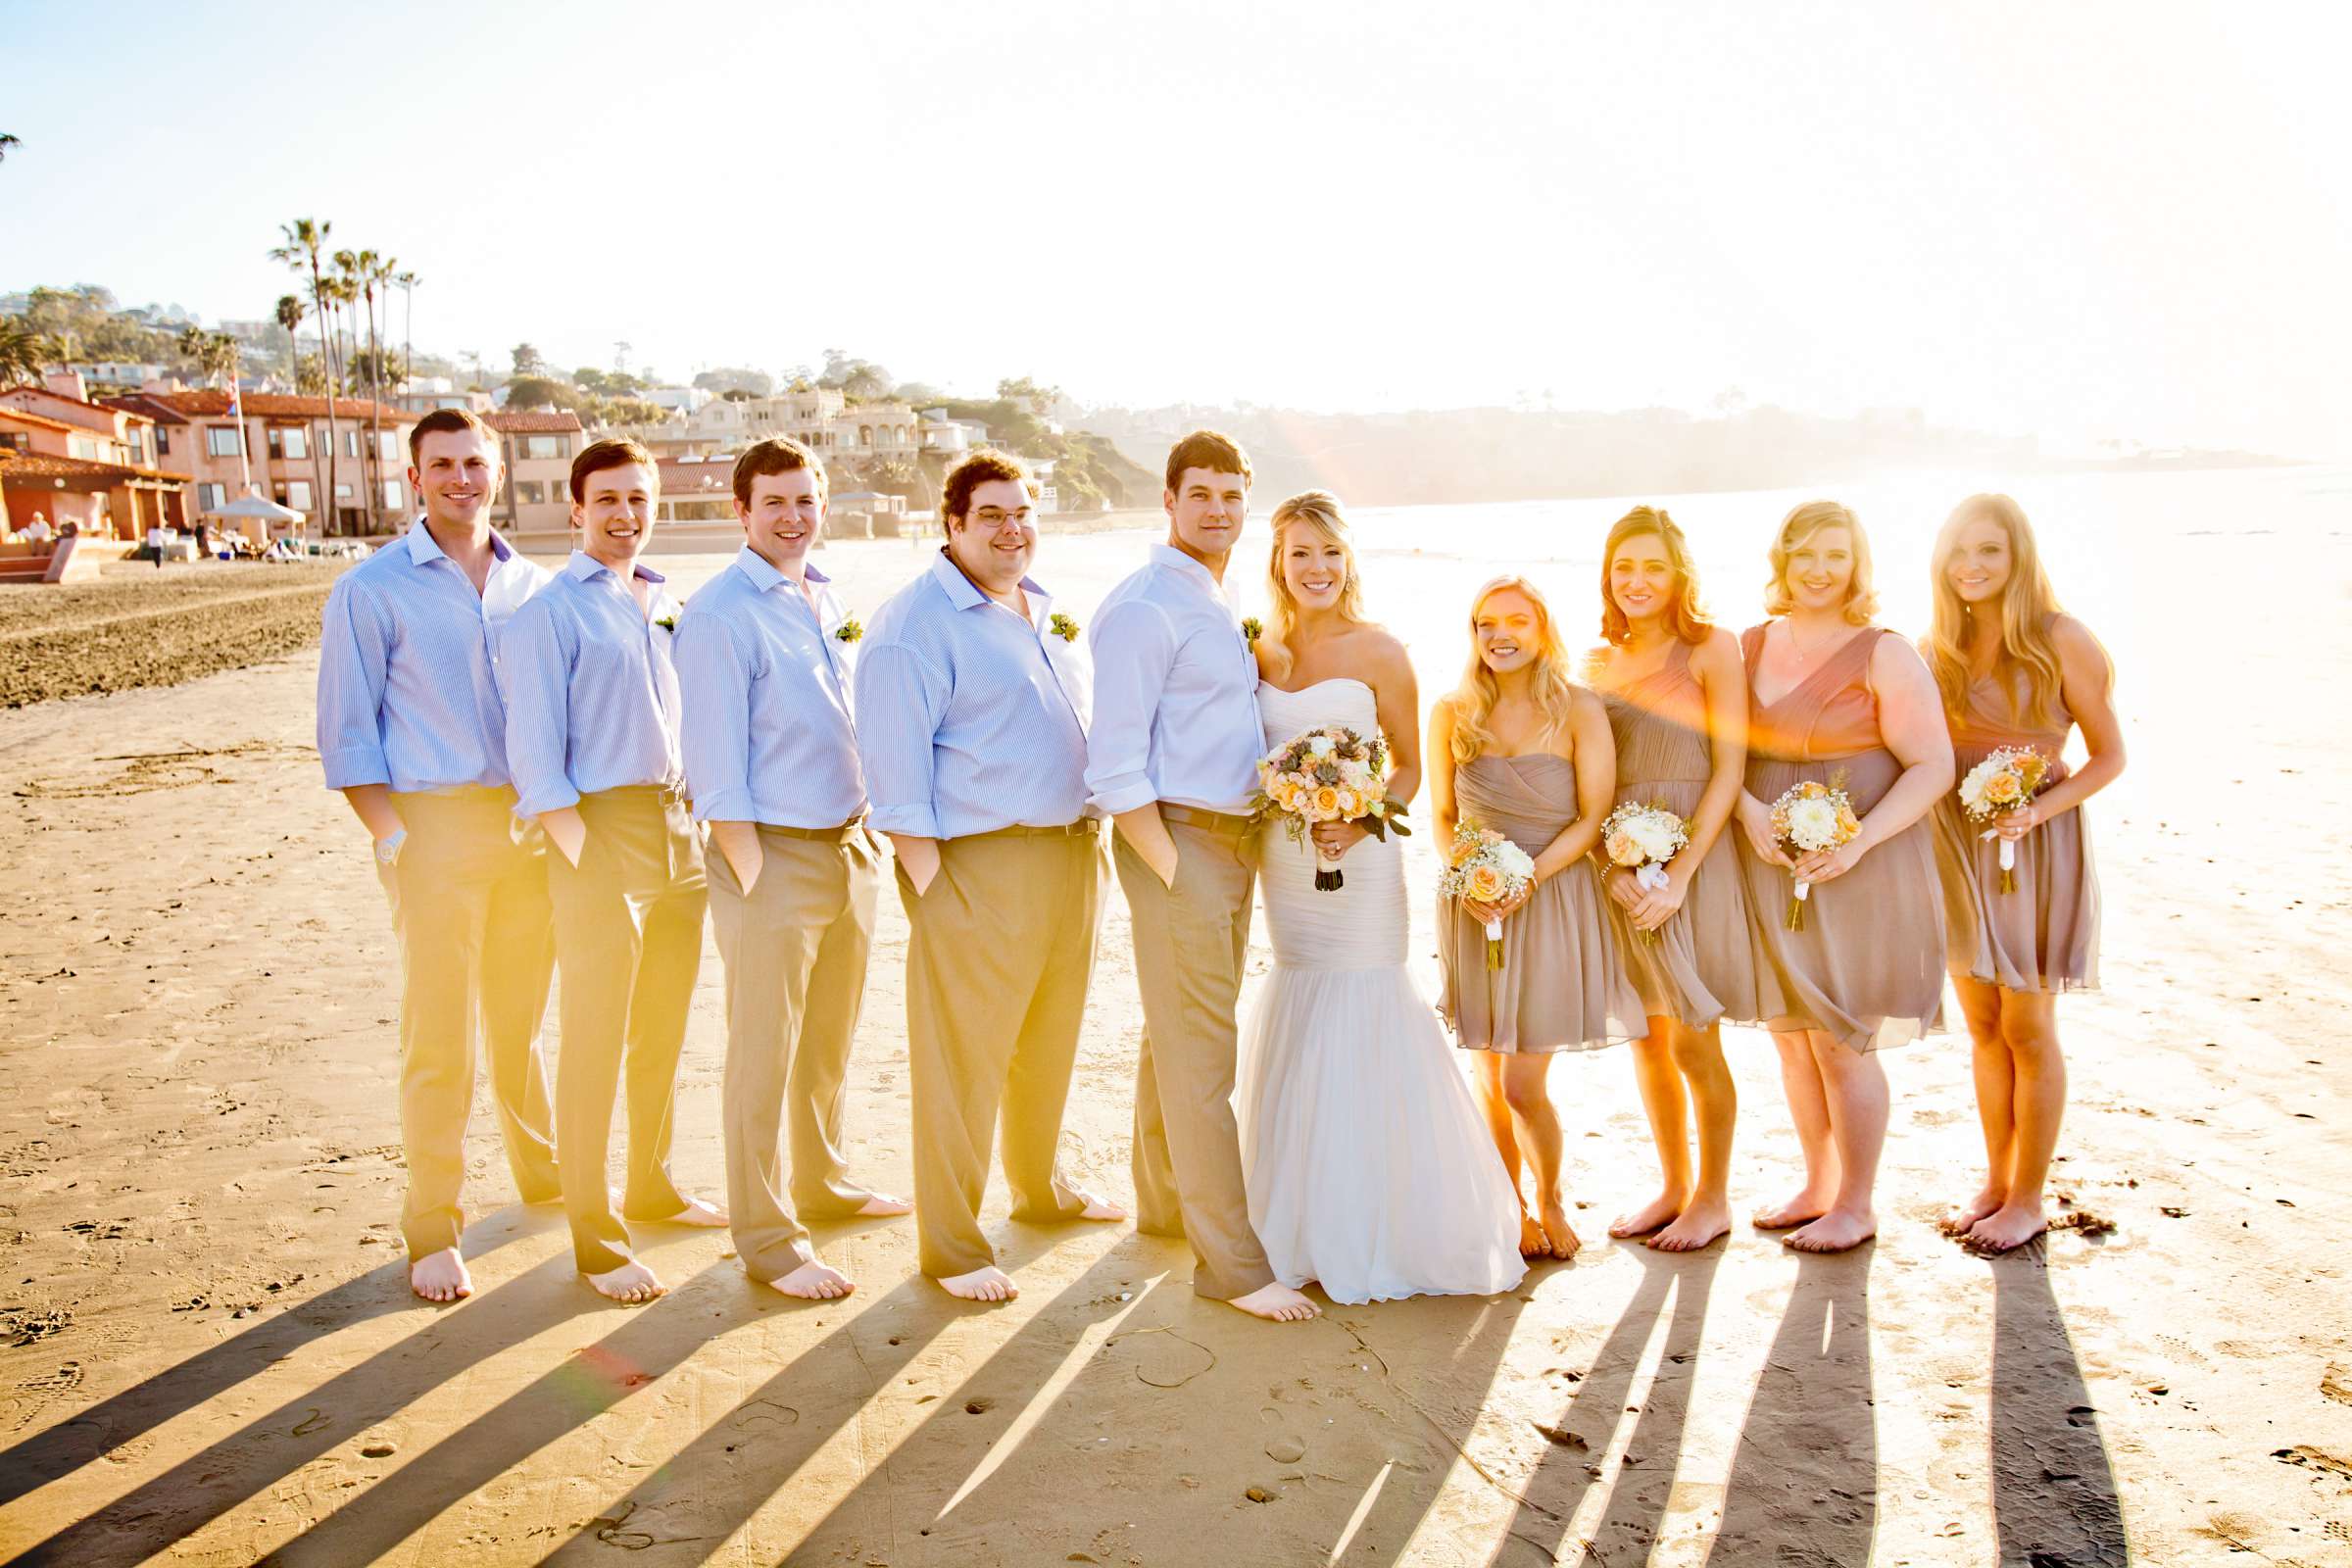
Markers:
<point>15,441</point>
<point>865,435</point>
<point>212,497</point>
<point>130,449</point>
<point>387,446</point>
<point>222,440</point>
<point>298,495</point>
<point>529,492</point>
<point>395,495</point>
<point>342,493</point>
<point>351,442</point>
<point>82,446</point>
<point>163,440</point>
<point>544,446</point>
<point>297,442</point>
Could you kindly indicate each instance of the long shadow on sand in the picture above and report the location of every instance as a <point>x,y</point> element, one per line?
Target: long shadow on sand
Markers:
<point>207,1485</point>
<point>1804,1483</point>
<point>1581,1433</point>
<point>2053,1492</point>
<point>805,1402</point>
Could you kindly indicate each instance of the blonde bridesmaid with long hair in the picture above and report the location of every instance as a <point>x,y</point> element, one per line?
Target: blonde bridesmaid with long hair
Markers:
<point>1836,699</point>
<point>1676,697</point>
<point>2015,671</point>
<point>1521,749</point>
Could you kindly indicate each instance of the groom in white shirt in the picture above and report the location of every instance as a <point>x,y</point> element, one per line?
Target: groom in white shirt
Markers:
<point>1173,756</point>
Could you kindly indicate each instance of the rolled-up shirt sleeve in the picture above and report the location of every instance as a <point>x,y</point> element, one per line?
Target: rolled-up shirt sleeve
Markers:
<point>352,651</point>
<point>536,674</point>
<point>900,697</point>
<point>1134,647</point>
<point>715,726</point>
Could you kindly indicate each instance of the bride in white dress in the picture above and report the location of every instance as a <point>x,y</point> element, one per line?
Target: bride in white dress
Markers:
<point>1368,1167</point>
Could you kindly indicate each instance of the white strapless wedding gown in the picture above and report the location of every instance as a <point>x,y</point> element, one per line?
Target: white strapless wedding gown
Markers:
<point>1368,1166</point>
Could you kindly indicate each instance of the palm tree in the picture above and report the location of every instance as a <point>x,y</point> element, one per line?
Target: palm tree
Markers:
<point>368,269</point>
<point>303,239</point>
<point>5,142</point>
<point>290,311</point>
<point>408,323</point>
<point>23,353</point>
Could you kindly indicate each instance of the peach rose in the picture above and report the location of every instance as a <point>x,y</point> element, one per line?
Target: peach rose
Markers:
<point>2004,789</point>
<point>1325,802</point>
<point>1486,884</point>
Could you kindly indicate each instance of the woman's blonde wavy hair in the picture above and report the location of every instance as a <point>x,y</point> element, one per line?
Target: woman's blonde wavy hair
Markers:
<point>1801,525</point>
<point>1473,700</point>
<point>1685,618</point>
<point>2028,605</point>
<point>1320,511</point>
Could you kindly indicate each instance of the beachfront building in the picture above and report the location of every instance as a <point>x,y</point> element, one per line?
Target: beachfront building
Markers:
<point>697,489</point>
<point>820,418</point>
<point>46,467</point>
<point>539,446</point>
<point>284,439</point>
<point>102,434</point>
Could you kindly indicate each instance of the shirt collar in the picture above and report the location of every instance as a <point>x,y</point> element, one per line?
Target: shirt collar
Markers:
<point>424,549</point>
<point>1186,566</point>
<point>961,590</point>
<point>764,576</point>
<point>583,567</point>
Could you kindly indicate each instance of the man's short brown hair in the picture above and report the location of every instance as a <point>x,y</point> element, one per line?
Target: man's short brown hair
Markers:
<point>1212,450</point>
<point>439,422</point>
<point>613,452</point>
<point>778,454</point>
<point>956,491</point>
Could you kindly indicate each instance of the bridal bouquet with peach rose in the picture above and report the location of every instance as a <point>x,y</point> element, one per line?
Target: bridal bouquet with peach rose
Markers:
<point>1329,774</point>
<point>1811,817</point>
<point>1644,839</point>
<point>1488,867</point>
<point>2001,784</point>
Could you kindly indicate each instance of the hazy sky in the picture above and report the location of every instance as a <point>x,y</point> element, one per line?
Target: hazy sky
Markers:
<point>2088,220</point>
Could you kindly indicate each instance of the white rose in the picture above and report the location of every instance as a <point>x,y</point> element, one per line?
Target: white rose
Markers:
<point>1320,746</point>
<point>1813,823</point>
<point>1514,859</point>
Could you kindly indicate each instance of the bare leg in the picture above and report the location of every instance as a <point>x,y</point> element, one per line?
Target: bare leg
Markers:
<point>1532,1242</point>
<point>1809,1109</point>
<point>2037,1101</point>
<point>1699,1059</point>
<point>1856,1085</point>
<point>1995,1076</point>
<point>1668,1104</point>
<point>1527,1089</point>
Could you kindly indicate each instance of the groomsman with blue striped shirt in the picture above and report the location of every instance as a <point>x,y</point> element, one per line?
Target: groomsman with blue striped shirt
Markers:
<point>972,708</point>
<point>411,729</point>
<point>766,656</point>
<point>592,732</point>
<point>1174,761</point>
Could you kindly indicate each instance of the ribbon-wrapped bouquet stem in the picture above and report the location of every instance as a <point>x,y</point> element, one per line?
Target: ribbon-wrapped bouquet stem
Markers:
<point>1484,865</point>
<point>1811,817</point>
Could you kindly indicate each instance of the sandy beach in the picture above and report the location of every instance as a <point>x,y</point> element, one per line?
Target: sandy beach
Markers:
<point>208,1354</point>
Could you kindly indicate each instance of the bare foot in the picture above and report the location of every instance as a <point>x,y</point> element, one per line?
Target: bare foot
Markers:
<point>699,1212</point>
<point>1278,1303</point>
<point>1958,1221</point>
<point>812,1281</point>
<point>632,1284</point>
<point>1837,1231</point>
<point>881,1206</point>
<point>1695,1227</point>
<point>1101,1210</point>
<point>1532,1242</point>
<point>1659,1210</point>
<point>2006,1228</point>
<point>990,1284</point>
<point>441,1275</point>
<point>1565,1243</point>
<point>1802,1209</point>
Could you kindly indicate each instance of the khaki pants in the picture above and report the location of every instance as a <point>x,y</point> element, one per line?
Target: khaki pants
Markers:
<point>795,949</point>
<point>469,908</point>
<point>629,936</point>
<point>1189,943</point>
<point>997,971</point>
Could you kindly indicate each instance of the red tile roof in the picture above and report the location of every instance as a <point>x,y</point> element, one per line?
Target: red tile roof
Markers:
<point>145,405</point>
<point>16,465</point>
<point>70,404</point>
<point>17,415</point>
<point>211,403</point>
<point>683,476</point>
<point>532,422</point>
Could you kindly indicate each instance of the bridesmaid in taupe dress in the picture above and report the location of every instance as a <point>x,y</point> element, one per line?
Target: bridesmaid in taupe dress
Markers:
<point>2014,670</point>
<point>1834,698</point>
<point>1677,696</point>
<point>1521,749</point>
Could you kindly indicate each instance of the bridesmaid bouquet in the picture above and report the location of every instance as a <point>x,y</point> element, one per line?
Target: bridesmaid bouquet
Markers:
<point>2001,784</point>
<point>1643,838</point>
<point>1484,866</point>
<point>1330,774</point>
<point>1808,818</point>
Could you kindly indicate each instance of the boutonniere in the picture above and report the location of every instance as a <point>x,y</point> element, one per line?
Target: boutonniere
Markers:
<point>1062,626</point>
<point>668,622</point>
<point>1253,629</point>
<point>849,631</point>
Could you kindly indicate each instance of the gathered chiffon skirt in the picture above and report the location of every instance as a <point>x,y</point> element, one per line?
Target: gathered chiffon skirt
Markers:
<point>1700,968</point>
<point>1868,968</point>
<point>2045,936</point>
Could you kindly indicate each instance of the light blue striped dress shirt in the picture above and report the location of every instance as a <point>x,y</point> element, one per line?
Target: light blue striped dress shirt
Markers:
<point>1179,689</point>
<point>592,698</point>
<point>767,735</point>
<point>970,719</point>
<point>408,683</point>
